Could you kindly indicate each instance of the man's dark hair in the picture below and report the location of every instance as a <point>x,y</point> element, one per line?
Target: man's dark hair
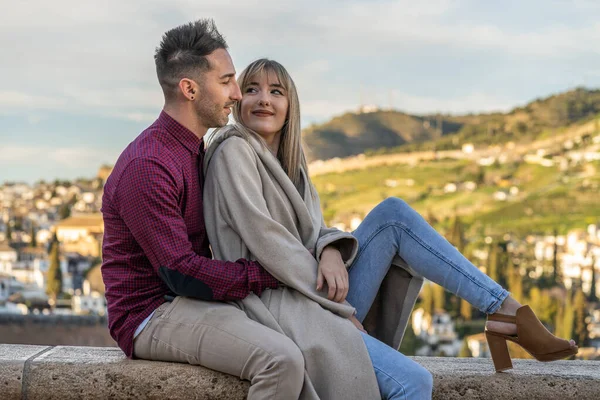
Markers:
<point>183,50</point>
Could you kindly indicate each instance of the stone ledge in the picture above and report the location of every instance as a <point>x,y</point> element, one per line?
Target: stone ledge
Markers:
<point>66,372</point>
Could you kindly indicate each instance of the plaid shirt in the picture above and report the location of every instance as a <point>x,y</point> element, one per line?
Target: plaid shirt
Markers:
<point>155,241</point>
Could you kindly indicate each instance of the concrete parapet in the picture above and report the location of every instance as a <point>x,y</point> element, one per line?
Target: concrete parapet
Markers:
<point>67,372</point>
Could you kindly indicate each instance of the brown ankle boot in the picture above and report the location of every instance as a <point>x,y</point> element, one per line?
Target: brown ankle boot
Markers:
<point>532,336</point>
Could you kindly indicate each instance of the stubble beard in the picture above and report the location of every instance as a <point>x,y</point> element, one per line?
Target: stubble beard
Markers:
<point>211,115</point>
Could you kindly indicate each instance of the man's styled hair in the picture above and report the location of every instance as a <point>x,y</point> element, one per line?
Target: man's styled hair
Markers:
<point>182,53</point>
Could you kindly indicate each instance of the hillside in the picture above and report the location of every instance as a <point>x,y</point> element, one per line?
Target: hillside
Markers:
<point>394,131</point>
<point>546,184</point>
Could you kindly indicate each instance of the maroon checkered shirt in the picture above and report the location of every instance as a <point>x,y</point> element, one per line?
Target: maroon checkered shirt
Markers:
<point>155,241</point>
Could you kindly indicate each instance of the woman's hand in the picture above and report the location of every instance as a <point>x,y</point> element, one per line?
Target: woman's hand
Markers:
<point>357,324</point>
<point>333,271</point>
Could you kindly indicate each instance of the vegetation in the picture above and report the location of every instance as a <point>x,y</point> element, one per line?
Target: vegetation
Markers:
<point>384,132</point>
<point>54,278</point>
<point>544,200</point>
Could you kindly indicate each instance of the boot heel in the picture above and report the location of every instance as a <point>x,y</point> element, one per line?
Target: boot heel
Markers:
<point>499,352</point>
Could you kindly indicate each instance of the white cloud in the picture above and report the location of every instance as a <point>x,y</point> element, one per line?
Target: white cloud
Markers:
<point>10,153</point>
<point>322,109</point>
<point>92,57</point>
<point>472,102</point>
<point>20,100</point>
<point>67,157</point>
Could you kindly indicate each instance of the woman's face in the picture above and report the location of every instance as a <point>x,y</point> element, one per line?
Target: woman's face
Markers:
<point>264,105</point>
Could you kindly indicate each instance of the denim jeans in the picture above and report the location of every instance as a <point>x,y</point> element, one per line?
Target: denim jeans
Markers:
<point>394,228</point>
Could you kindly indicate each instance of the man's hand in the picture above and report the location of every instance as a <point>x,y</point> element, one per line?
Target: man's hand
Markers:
<point>333,271</point>
<point>357,324</point>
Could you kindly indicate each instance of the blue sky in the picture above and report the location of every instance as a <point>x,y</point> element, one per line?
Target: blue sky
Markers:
<point>78,81</point>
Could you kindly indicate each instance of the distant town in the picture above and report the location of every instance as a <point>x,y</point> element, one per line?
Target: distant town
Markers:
<point>51,247</point>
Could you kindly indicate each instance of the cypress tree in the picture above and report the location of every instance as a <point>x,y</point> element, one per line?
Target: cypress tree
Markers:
<point>457,235</point>
<point>569,317</point>
<point>64,211</point>
<point>515,282</point>
<point>555,266</point>
<point>580,326</point>
<point>493,262</point>
<point>466,310</point>
<point>593,298</point>
<point>54,274</point>
<point>535,300</point>
<point>439,297</point>
<point>427,298</point>
<point>33,242</point>
<point>465,351</point>
<point>8,231</point>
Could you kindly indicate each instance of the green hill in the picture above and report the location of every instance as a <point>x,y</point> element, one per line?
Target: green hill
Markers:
<point>547,198</point>
<point>394,131</point>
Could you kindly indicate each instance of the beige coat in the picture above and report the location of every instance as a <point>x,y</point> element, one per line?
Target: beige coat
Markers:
<point>254,211</point>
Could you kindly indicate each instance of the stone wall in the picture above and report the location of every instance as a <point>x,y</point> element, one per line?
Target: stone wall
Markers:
<point>58,330</point>
<point>64,372</point>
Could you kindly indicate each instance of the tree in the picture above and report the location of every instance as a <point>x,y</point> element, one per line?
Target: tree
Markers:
<point>54,274</point>
<point>465,351</point>
<point>457,235</point>
<point>429,217</point>
<point>580,327</point>
<point>466,310</point>
<point>427,298</point>
<point>410,342</point>
<point>33,242</point>
<point>515,282</point>
<point>64,211</point>
<point>535,300</point>
<point>493,262</point>
<point>8,231</point>
<point>568,317</point>
<point>555,267</point>
<point>439,298</point>
<point>592,297</point>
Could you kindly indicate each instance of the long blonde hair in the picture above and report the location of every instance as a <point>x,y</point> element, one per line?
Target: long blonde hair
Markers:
<point>290,153</point>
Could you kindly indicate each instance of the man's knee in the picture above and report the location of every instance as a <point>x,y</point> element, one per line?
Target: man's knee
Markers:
<point>288,359</point>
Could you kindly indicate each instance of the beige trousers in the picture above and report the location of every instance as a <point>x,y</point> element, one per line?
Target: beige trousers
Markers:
<point>221,337</point>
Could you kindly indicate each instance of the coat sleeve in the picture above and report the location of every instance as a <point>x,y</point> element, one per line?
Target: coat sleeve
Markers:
<point>234,178</point>
<point>345,242</point>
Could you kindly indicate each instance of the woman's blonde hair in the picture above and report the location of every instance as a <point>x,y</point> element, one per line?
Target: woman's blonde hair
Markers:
<point>290,152</point>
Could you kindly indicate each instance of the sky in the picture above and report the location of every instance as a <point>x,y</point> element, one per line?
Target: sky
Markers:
<point>78,83</point>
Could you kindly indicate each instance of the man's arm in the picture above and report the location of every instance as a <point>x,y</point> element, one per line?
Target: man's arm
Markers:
<point>150,210</point>
<point>232,174</point>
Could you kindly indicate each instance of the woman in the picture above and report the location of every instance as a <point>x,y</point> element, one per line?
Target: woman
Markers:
<point>260,204</point>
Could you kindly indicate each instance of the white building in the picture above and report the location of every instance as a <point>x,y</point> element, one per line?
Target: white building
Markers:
<point>91,304</point>
<point>8,256</point>
<point>4,286</point>
<point>433,329</point>
<point>478,345</point>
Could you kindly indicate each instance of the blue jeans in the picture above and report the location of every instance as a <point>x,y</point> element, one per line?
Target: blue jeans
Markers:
<point>394,228</point>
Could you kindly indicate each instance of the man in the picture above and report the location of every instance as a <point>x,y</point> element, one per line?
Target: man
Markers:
<point>155,244</point>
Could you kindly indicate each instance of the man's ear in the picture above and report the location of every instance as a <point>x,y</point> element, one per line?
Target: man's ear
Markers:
<point>188,88</point>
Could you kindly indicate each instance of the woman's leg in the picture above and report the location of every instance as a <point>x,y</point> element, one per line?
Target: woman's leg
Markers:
<point>398,377</point>
<point>394,228</point>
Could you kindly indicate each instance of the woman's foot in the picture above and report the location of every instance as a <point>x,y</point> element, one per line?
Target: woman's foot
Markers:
<point>508,307</point>
<point>518,324</point>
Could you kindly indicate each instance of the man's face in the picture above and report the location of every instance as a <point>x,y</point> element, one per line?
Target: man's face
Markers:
<point>218,90</point>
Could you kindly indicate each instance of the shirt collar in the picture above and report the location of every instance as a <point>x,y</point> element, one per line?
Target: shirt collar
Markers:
<point>186,137</point>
